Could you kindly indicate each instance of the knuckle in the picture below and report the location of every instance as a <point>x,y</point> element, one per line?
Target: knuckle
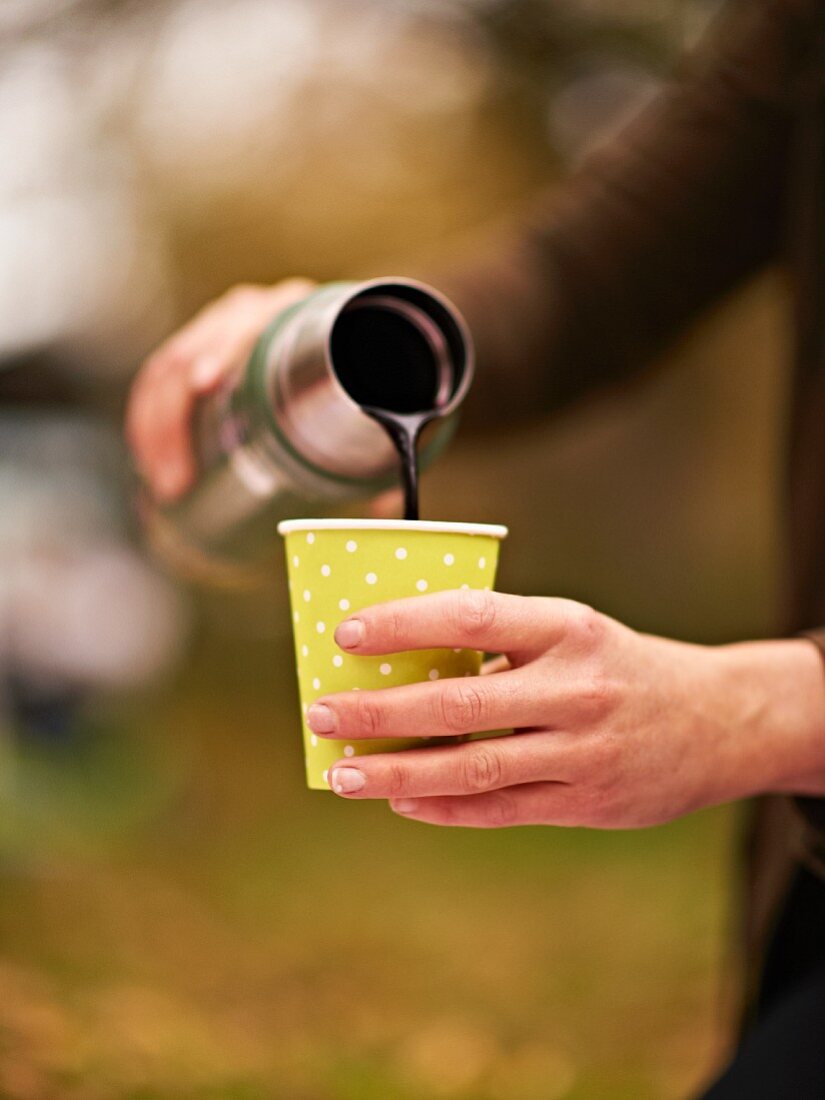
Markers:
<point>294,286</point>
<point>475,612</point>
<point>585,625</point>
<point>243,293</point>
<point>396,779</point>
<point>598,694</point>
<point>368,716</point>
<point>462,708</point>
<point>481,769</point>
<point>393,627</point>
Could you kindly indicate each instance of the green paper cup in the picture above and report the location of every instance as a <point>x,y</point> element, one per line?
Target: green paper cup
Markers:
<point>338,566</point>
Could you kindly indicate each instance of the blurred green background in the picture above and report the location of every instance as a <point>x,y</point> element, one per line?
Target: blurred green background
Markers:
<point>179,917</point>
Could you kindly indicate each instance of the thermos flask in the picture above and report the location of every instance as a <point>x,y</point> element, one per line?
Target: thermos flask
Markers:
<point>287,436</point>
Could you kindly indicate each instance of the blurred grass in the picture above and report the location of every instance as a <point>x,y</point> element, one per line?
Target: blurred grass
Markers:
<point>253,939</point>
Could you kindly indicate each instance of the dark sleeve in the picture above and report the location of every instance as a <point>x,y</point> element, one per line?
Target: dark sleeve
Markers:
<point>813,809</point>
<point>662,221</point>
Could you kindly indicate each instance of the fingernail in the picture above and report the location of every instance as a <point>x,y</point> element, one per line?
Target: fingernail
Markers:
<point>206,370</point>
<point>320,718</point>
<point>347,780</point>
<point>404,805</point>
<point>350,633</point>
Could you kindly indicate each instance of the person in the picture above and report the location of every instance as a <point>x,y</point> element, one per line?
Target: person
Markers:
<point>723,174</point>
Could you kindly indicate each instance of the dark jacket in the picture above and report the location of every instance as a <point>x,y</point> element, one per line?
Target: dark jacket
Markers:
<point>722,175</point>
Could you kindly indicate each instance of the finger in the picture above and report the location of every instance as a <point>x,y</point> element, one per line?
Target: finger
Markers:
<point>471,768</point>
<point>136,420</point>
<point>161,433</point>
<point>224,335</point>
<point>158,419</point>
<point>224,356</point>
<point>141,421</point>
<point>191,363</point>
<point>217,341</point>
<point>220,343</point>
<point>445,708</point>
<point>545,803</point>
<point>211,368</point>
<point>520,626</point>
<point>240,309</point>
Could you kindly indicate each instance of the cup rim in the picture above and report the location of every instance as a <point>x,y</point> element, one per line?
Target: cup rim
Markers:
<point>445,527</point>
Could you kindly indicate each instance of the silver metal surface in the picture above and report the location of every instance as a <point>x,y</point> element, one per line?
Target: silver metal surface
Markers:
<point>313,410</point>
<point>285,437</point>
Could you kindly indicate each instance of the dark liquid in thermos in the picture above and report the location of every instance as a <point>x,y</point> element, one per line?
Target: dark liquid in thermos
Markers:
<point>389,366</point>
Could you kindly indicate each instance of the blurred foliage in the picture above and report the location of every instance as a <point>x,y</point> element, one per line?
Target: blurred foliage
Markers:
<point>180,918</point>
<point>249,938</point>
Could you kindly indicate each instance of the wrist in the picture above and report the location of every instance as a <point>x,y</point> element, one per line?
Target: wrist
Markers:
<point>777,690</point>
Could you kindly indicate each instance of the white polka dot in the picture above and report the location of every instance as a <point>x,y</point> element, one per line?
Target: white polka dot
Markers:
<point>304,650</point>
<point>307,595</point>
<point>337,660</point>
<point>326,775</point>
<point>349,750</point>
<point>352,546</point>
<point>296,618</point>
<point>421,585</point>
<point>371,578</point>
<point>310,538</point>
<point>325,570</point>
<point>385,669</point>
<point>344,605</point>
<point>304,707</point>
<point>449,559</point>
<point>456,651</point>
<point>401,553</point>
<point>313,740</point>
<point>465,587</point>
<point>355,689</point>
<point>316,683</point>
<point>433,674</point>
<point>487,588</point>
<point>482,562</point>
<point>296,561</point>
<point>320,627</point>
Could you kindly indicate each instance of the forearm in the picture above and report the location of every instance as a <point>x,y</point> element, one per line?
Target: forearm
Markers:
<point>670,215</point>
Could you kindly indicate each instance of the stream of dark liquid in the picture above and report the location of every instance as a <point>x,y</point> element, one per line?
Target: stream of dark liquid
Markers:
<point>404,430</point>
<point>389,366</point>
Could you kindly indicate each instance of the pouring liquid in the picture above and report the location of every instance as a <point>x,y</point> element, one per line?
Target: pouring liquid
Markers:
<point>390,364</point>
<point>404,431</point>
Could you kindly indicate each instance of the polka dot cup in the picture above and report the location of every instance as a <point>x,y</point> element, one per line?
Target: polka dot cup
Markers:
<point>337,567</point>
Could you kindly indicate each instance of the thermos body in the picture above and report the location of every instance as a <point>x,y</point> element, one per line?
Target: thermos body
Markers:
<point>288,436</point>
